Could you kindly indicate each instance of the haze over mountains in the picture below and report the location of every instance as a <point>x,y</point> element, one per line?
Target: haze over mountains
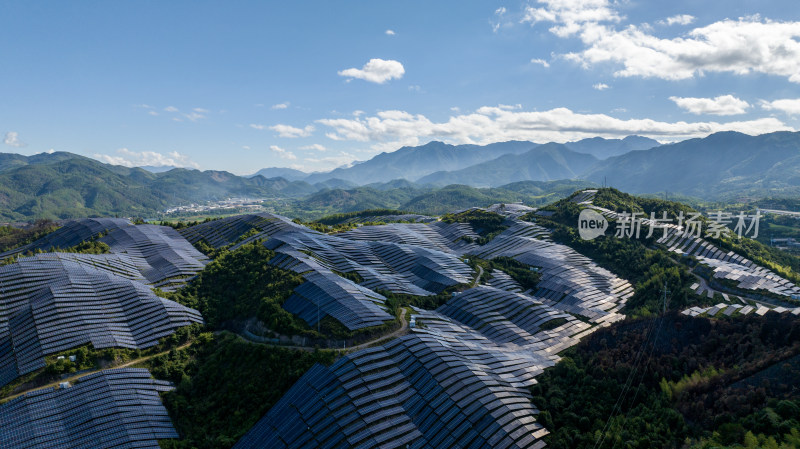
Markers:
<point>722,165</point>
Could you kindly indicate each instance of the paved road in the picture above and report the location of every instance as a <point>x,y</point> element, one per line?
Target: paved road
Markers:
<point>397,333</point>
<point>478,279</point>
<point>86,373</point>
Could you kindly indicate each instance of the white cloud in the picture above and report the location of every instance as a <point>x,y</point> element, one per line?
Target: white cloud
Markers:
<point>245,147</point>
<point>290,131</point>
<point>390,32</point>
<point>281,105</point>
<point>171,109</point>
<point>283,153</point>
<point>376,71</point>
<point>600,86</point>
<point>152,112</point>
<point>499,12</point>
<point>497,124</point>
<point>747,45</point>
<point>571,16</point>
<point>787,105</point>
<point>314,146</point>
<point>540,61</point>
<point>721,105</point>
<point>415,88</point>
<point>12,139</point>
<point>50,151</point>
<point>680,19</point>
<point>194,116</point>
<point>258,127</point>
<point>201,110</point>
<point>358,112</point>
<point>130,158</point>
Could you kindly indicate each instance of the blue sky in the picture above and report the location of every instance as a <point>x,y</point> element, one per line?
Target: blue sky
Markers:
<point>239,85</point>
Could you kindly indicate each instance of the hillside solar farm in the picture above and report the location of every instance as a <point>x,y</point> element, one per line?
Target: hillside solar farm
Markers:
<point>437,328</point>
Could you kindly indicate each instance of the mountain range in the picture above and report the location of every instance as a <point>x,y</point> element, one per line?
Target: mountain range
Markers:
<point>726,165</point>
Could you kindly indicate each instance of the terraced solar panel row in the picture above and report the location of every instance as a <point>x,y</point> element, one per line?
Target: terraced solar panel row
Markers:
<point>439,236</point>
<point>398,268</point>
<point>433,389</point>
<point>164,257</point>
<point>118,408</point>
<point>77,305</point>
<point>412,218</point>
<point>513,210</point>
<point>223,232</point>
<point>569,281</point>
<point>460,380</point>
<point>325,293</point>
<point>72,233</point>
<point>505,317</point>
<point>726,264</point>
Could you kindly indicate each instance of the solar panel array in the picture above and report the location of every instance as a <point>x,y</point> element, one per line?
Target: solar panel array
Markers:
<point>569,281</point>
<point>72,233</point>
<point>440,236</point>
<point>399,268</point>
<point>325,293</point>
<point>461,378</point>
<point>118,408</point>
<point>725,264</point>
<point>223,232</point>
<point>389,218</point>
<point>447,385</point>
<point>513,210</point>
<point>729,265</point>
<point>163,256</point>
<point>51,304</point>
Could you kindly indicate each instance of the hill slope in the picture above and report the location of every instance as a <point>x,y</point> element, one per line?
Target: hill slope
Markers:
<point>721,165</point>
<point>546,162</point>
<point>412,163</point>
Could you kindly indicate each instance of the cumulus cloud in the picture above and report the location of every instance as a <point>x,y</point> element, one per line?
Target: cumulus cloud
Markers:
<point>171,109</point>
<point>376,71</point>
<point>747,45</point>
<point>680,19</point>
<point>130,158</point>
<point>497,124</point>
<point>314,146</point>
<point>390,32</point>
<point>787,105</point>
<point>281,105</point>
<point>12,139</point>
<point>283,153</point>
<point>540,61</point>
<point>721,105</point>
<point>570,16</point>
<point>600,86</point>
<point>258,127</point>
<point>290,131</point>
